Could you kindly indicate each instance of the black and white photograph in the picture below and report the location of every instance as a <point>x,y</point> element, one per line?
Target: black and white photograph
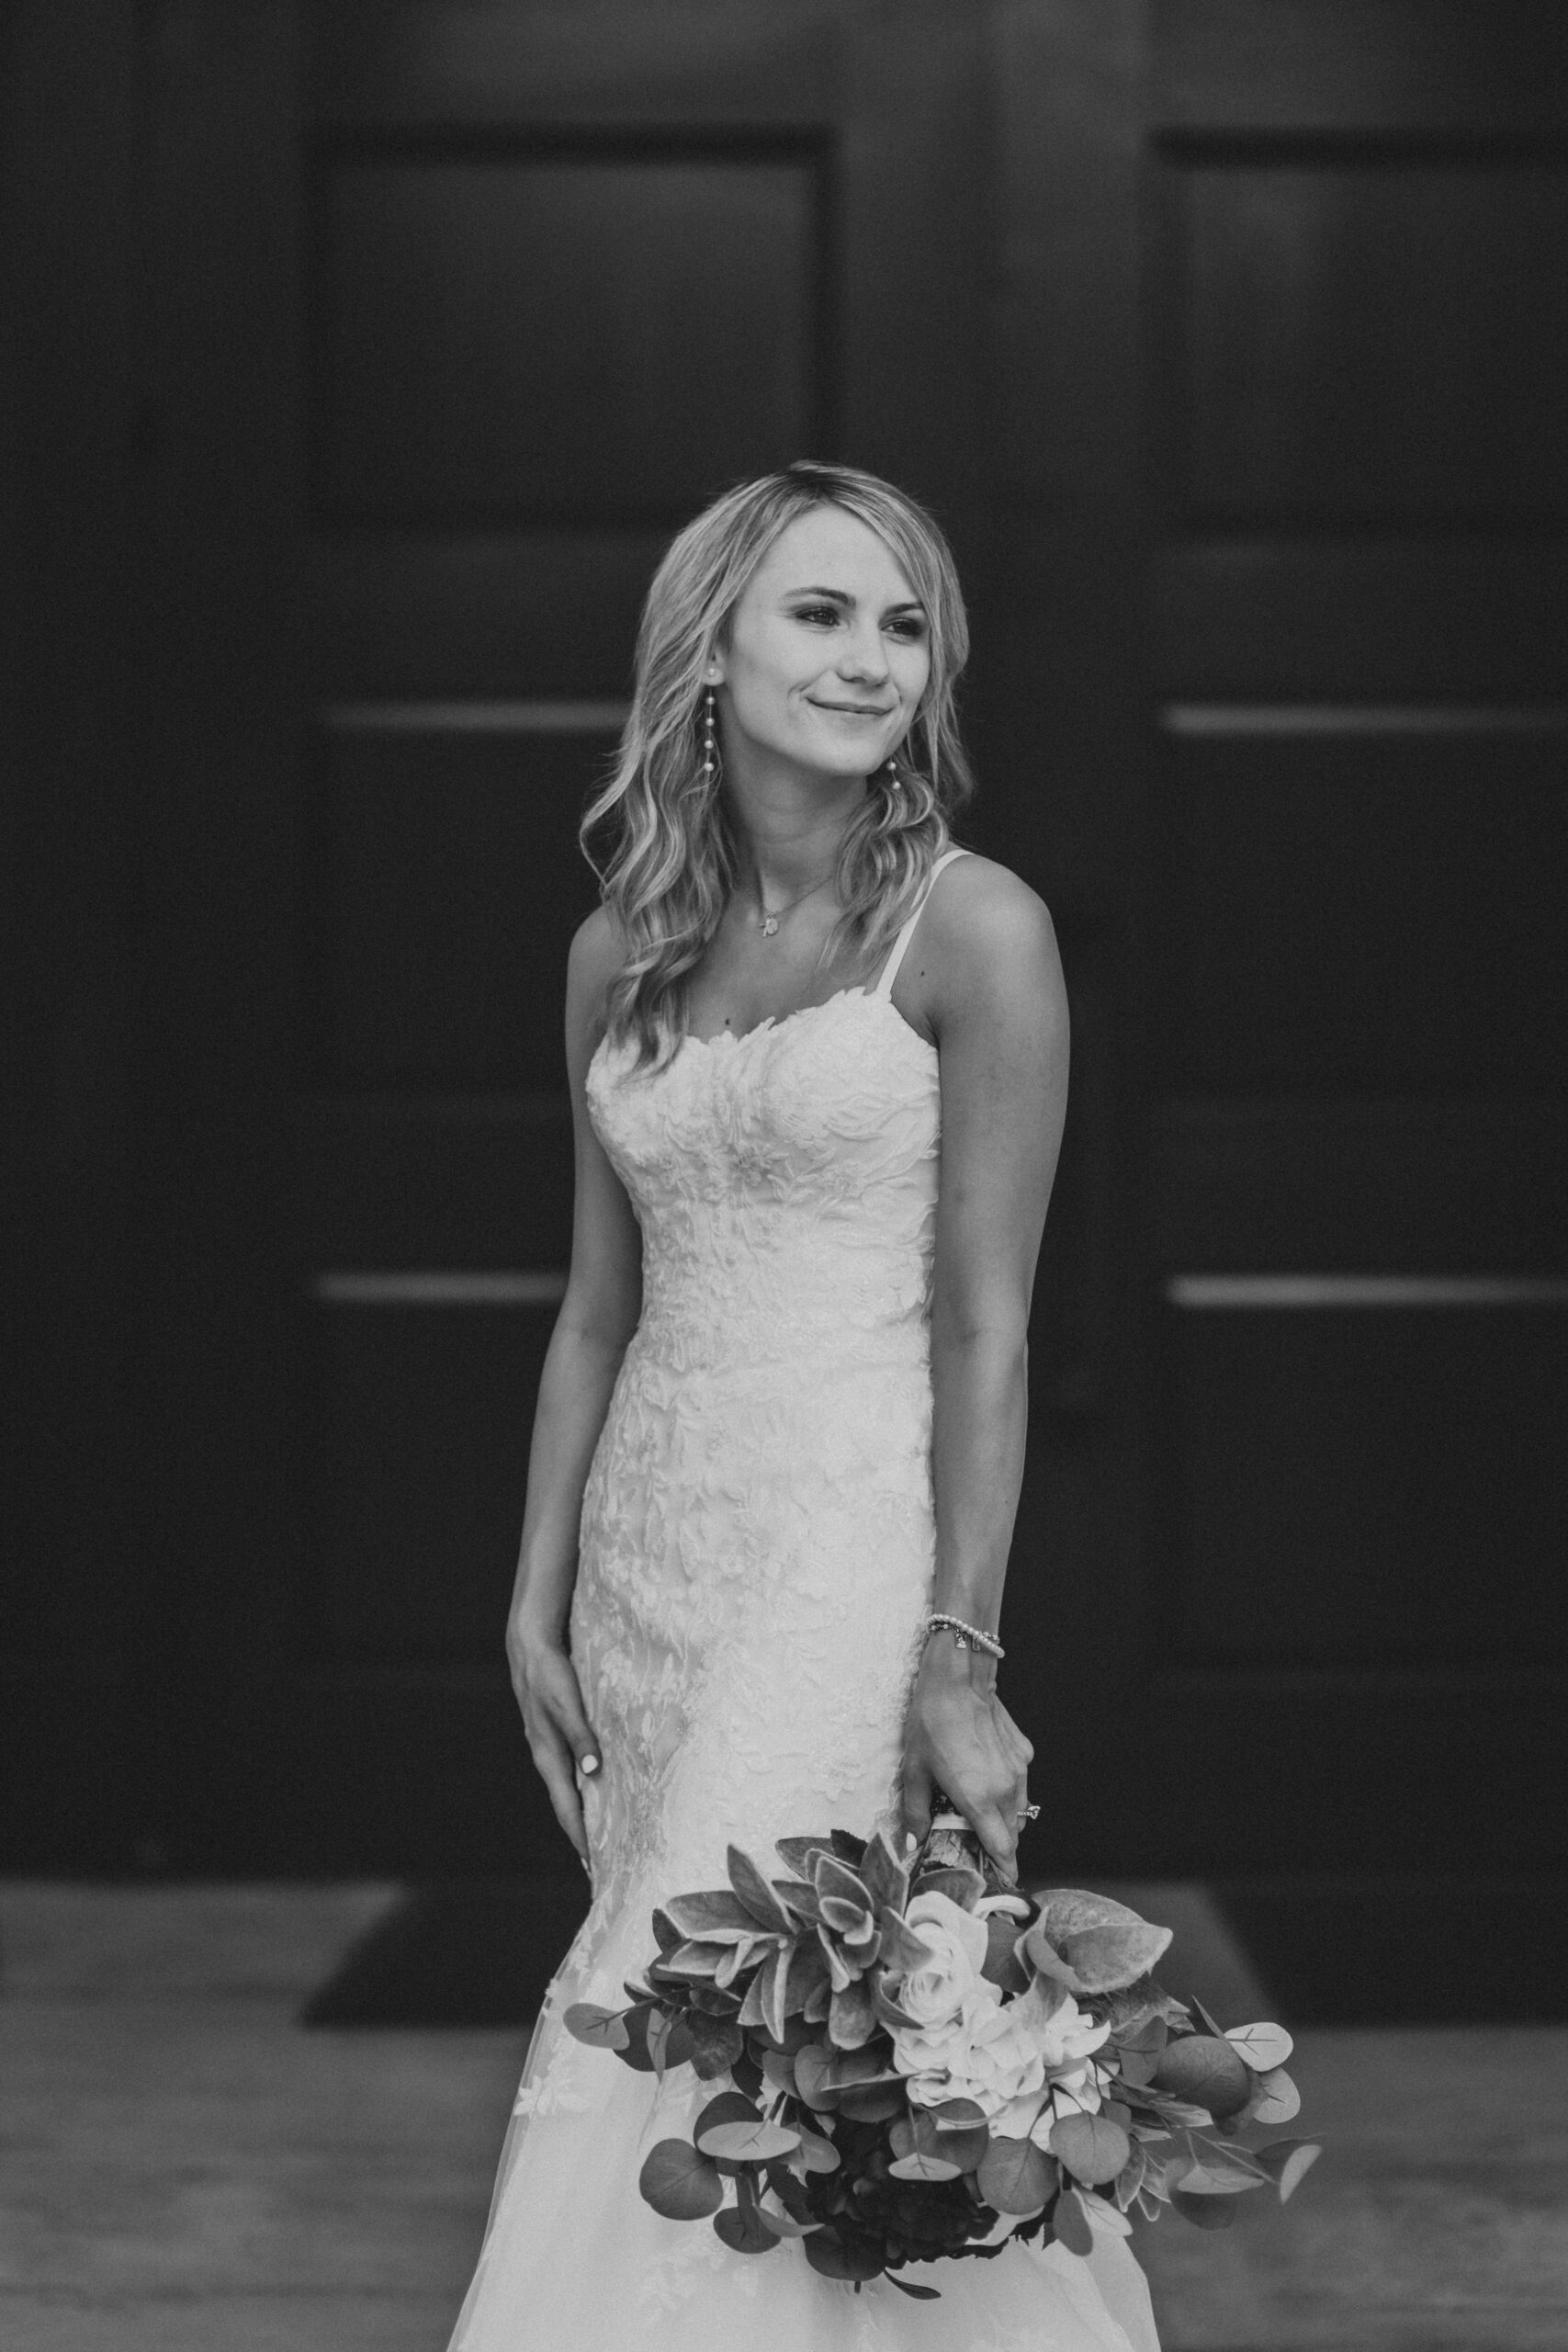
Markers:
<point>783,910</point>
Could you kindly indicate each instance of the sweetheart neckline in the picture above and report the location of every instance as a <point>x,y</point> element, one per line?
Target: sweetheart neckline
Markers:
<point>772,1023</point>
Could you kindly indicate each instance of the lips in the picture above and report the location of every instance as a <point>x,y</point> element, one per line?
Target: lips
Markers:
<point>855,710</point>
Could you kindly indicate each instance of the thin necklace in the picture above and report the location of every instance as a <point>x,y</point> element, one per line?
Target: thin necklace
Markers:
<point>771,915</point>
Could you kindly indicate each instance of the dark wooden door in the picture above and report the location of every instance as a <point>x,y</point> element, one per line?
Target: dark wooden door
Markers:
<point>1355,337</point>
<point>453,314</point>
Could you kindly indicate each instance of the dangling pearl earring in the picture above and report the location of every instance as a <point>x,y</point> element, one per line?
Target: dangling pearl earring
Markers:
<point>710,747</point>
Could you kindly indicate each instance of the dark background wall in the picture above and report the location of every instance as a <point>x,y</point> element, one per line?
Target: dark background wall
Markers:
<point>357,361</point>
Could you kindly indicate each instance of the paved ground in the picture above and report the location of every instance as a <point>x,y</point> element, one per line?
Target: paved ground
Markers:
<point>181,2169</point>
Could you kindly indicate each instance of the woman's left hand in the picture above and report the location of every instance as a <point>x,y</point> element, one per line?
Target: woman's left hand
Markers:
<point>959,1737</point>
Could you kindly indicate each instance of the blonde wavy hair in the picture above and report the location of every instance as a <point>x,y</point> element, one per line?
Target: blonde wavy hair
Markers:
<point>658,834</point>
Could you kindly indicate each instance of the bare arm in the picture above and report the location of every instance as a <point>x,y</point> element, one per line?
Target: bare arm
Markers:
<point>990,986</point>
<point>597,1317</point>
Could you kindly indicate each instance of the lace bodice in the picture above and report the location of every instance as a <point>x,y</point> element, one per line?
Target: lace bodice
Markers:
<point>784,1181</point>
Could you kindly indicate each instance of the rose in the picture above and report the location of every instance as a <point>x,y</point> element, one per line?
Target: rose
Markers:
<point>986,2053</point>
<point>1065,2039</point>
<point>934,1993</point>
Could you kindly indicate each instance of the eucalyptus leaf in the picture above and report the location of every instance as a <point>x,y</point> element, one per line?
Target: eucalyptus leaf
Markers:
<point>1204,2070</point>
<point>744,2230</point>
<point>1288,2163</point>
<point>921,2294</point>
<point>1015,2177</point>
<point>756,2141</point>
<point>918,2165</point>
<point>776,2216</point>
<point>811,2076</point>
<point>638,2053</point>
<point>873,2064</point>
<point>826,2251</point>
<point>872,2102</point>
<point>814,2153</point>
<point>1071,2224</point>
<point>778,2071</point>
<point>1264,2047</point>
<point>1091,2147</point>
<point>679,2183</point>
<point>601,2028</point>
<point>1208,2212</point>
<point>1275,2099</point>
<point>718,2042</point>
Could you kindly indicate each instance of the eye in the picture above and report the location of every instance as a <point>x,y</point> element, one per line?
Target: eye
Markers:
<point>827,613</point>
<point>909,627</point>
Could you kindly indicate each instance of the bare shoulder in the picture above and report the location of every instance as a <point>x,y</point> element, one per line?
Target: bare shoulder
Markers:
<point>985,937</point>
<point>596,954</point>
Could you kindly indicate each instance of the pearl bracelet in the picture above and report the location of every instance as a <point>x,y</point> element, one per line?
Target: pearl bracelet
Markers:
<point>965,1637</point>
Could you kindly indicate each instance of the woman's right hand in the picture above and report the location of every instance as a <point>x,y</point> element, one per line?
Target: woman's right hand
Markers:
<point>559,1739</point>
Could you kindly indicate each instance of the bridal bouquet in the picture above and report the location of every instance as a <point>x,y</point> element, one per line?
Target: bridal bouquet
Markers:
<point>911,2063</point>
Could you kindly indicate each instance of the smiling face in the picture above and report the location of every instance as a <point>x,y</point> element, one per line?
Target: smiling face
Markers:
<point>826,654</point>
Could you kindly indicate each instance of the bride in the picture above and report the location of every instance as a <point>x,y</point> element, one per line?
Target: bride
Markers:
<point>818,1063</point>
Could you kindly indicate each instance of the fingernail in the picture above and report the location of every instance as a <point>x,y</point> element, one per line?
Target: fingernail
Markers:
<point>591,1763</point>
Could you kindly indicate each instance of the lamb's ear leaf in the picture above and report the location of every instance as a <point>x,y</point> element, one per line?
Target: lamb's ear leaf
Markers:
<point>712,1911</point>
<point>886,1879</point>
<point>756,1895</point>
<point>795,1852</point>
<point>679,2183</point>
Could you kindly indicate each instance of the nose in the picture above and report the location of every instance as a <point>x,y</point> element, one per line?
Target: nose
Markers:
<point>864,654</point>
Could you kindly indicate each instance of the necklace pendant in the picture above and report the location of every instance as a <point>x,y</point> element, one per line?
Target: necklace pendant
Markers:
<point>770,924</point>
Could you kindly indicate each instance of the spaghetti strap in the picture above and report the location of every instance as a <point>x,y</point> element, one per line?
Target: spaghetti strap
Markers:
<point>895,954</point>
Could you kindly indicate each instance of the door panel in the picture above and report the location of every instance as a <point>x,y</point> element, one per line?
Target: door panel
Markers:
<point>555,303</point>
<point>1359,995</point>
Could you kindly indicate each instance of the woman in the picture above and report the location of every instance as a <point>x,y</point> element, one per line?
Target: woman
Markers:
<point>782,1418</point>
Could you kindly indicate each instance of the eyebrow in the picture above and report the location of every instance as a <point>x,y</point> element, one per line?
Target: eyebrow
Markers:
<point>837,597</point>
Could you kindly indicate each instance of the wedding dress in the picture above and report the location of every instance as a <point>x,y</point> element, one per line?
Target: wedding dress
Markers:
<point>754,1574</point>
